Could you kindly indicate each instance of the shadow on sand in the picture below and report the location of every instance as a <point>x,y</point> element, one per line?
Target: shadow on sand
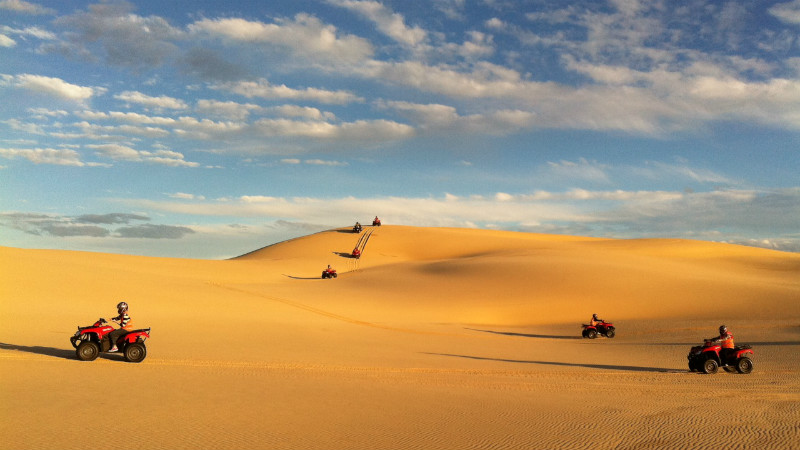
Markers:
<point>537,336</point>
<point>563,364</point>
<point>692,344</point>
<point>345,255</point>
<point>302,278</point>
<point>54,352</point>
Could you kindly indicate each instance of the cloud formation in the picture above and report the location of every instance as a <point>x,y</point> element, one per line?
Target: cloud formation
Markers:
<point>610,118</point>
<point>92,225</point>
<point>50,86</point>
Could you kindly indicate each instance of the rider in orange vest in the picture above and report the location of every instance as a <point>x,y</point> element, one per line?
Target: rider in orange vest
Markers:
<point>725,339</point>
<point>595,320</point>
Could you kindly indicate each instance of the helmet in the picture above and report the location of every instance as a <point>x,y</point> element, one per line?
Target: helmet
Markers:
<point>594,316</point>
<point>723,329</point>
<point>122,307</point>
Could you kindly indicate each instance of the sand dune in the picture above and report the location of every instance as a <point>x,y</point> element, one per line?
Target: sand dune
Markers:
<point>434,338</point>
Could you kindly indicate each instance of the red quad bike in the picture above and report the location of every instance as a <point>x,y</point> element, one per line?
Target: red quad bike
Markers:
<point>90,341</point>
<point>707,358</point>
<point>356,253</point>
<point>329,273</point>
<point>376,222</point>
<point>603,328</point>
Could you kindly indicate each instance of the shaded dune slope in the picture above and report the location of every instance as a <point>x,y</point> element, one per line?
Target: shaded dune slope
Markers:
<point>522,278</point>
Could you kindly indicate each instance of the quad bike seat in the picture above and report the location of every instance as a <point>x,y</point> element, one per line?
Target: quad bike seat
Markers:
<point>146,330</point>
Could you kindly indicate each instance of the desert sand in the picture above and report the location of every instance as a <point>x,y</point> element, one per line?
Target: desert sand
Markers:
<point>434,339</point>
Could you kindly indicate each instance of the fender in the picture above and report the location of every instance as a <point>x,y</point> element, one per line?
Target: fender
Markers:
<point>712,352</point>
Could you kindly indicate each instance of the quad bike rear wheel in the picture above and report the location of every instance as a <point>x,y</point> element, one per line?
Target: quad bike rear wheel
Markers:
<point>591,334</point>
<point>744,365</point>
<point>710,366</point>
<point>87,351</point>
<point>135,352</point>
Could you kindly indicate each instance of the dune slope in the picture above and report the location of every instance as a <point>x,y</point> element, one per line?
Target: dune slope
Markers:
<point>434,338</point>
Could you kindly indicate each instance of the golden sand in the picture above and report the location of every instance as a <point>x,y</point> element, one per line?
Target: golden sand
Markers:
<point>434,338</point>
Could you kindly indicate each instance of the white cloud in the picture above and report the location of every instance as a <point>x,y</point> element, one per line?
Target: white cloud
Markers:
<point>788,12</point>
<point>322,162</point>
<point>313,162</point>
<point>61,157</point>
<point>52,86</point>
<point>28,31</point>
<point>656,170</point>
<point>374,130</point>
<point>388,22</point>
<point>161,102</point>
<point>6,41</point>
<point>185,196</point>
<point>263,89</point>
<point>22,6</point>
<point>120,152</point>
<point>231,110</point>
<point>306,112</point>
<point>305,35</point>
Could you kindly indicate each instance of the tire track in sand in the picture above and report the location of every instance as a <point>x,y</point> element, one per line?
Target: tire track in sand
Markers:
<point>325,313</point>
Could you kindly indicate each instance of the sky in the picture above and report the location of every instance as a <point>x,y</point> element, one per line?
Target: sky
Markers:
<point>208,129</point>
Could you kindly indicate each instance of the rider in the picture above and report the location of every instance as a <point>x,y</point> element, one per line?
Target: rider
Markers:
<point>725,338</point>
<point>125,325</point>
<point>595,320</point>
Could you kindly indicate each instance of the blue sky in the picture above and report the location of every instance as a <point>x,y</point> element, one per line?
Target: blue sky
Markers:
<point>208,129</point>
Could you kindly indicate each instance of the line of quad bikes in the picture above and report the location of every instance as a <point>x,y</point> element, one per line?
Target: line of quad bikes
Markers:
<point>706,358</point>
<point>92,340</point>
<point>330,272</point>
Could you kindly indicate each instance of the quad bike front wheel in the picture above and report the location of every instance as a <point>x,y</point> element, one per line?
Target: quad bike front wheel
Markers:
<point>710,366</point>
<point>744,365</point>
<point>135,352</point>
<point>610,333</point>
<point>87,351</point>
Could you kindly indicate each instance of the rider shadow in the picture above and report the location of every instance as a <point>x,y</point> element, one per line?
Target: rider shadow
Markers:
<point>56,352</point>
<point>301,278</point>
<point>564,364</point>
<point>39,350</point>
<point>537,336</point>
<point>345,255</point>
